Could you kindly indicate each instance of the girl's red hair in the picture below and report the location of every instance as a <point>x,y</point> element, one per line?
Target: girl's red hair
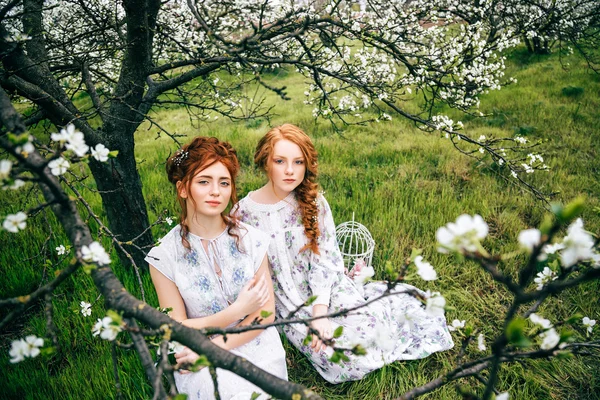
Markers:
<point>199,154</point>
<point>306,192</point>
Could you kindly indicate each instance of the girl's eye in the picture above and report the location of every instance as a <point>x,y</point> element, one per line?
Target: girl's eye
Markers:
<point>225,183</point>
<point>203,182</point>
<point>299,162</point>
<point>278,161</point>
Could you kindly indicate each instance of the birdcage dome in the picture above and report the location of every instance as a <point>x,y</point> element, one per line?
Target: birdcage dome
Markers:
<point>355,242</point>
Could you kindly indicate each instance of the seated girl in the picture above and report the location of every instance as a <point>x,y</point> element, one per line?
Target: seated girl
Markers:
<point>306,261</point>
<point>212,270</point>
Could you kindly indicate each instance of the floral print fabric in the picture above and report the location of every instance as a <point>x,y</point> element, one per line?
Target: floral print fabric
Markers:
<point>393,328</point>
<point>204,293</point>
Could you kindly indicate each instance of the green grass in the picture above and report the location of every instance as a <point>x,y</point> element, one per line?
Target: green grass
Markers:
<point>399,182</point>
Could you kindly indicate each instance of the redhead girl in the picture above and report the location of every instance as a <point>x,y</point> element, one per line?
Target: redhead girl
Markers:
<point>212,270</point>
<point>306,261</point>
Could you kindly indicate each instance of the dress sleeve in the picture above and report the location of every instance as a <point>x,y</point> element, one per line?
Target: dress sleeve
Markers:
<point>158,258</point>
<point>259,244</point>
<point>326,266</point>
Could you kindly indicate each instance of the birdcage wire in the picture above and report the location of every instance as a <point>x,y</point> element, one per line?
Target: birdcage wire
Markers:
<point>355,241</point>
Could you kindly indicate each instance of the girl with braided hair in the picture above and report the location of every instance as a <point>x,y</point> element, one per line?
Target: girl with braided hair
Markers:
<point>212,270</point>
<point>306,261</point>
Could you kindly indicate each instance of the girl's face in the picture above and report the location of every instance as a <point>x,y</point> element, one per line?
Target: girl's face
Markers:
<point>209,192</point>
<point>286,167</point>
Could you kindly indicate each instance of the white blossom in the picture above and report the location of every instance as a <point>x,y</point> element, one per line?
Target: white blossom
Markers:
<point>579,245</point>
<point>58,166</point>
<point>26,148</point>
<point>464,234</point>
<point>16,185</point>
<point>542,278</point>
<point>425,269</point>
<point>435,304</point>
<point>100,153</point>
<point>5,167</point>
<point>86,308</point>
<point>550,338</point>
<point>520,139</point>
<point>169,221</point>
<point>481,342</point>
<point>543,322</point>
<point>363,275</point>
<point>456,324</point>
<point>60,250</point>
<point>73,138</point>
<point>15,222</point>
<point>529,238</point>
<point>588,323</point>
<point>28,347</point>
<point>106,328</point>
<point>95,253</point>
<point>502,396</point>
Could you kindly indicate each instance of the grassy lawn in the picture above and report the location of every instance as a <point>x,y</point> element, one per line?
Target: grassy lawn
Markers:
<point>401,183</point>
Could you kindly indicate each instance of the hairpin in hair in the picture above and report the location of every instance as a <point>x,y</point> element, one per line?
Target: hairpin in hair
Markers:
<point>180,157</point>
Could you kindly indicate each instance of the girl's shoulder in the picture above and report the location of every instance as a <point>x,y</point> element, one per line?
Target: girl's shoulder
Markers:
<point>248,232</point>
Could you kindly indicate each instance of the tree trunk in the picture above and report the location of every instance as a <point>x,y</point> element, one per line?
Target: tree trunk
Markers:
<point>121,190</point>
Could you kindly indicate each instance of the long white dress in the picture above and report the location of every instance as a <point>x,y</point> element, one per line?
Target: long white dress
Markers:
<point>204,293</point>
<point>394,328</point>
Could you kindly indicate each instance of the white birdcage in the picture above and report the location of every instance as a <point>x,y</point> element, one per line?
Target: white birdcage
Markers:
<point>355,242</point>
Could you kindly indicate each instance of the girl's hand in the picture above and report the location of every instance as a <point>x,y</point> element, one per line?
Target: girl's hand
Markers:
<point>253,296</point>
<point>323,326</point>
<point>186,356</point>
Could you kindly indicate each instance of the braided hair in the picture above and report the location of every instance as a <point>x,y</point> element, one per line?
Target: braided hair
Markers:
<point>306,192</point>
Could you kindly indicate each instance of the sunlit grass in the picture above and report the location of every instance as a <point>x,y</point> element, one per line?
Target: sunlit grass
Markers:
<point>401,183</point>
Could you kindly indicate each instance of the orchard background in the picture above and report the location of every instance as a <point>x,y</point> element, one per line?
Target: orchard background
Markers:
<point>401,181</point>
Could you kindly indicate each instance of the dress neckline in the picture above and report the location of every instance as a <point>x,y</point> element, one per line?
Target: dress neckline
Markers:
<point>287,201</point>
<point>203,238</point>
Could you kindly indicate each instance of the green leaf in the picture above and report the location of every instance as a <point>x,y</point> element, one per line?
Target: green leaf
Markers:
<point>572,210</point>
<point>200,363</point>
<point>115,316</point>
<point>166,310</point>
<point>564,355</point>
<point>338,332</point>
<point>515,333</point>
<point>254,396</point>
<point>335,357</point>
<point>546,225</point>
<point>566,335</point>
<point>113,154</point>
<point>88,268</point>
<point>415,253</point>
<point>48,351</point>
<point>180,396</point>
<point>575,318</point>
<point>310,300</point>
<point>359,350</point>
<point>265,314</point>
<point>390,271</point>
<point>307,340</point>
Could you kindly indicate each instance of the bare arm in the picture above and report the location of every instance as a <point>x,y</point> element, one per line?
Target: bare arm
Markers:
<point>169,297</point>
<point>236,340</point>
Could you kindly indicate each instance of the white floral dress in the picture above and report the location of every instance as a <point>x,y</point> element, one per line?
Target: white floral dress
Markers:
<point>205,293</point>
<point>393,328</point>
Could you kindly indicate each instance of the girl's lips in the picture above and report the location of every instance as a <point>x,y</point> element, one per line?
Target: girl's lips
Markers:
<point>289,180</point>
<point>213,203</point>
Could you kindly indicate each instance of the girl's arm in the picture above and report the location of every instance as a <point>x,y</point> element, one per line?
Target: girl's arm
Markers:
<point>254,295</point>
<point>236,340</point>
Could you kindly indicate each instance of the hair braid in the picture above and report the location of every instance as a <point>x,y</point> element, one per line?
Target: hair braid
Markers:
<point>306,192</point>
